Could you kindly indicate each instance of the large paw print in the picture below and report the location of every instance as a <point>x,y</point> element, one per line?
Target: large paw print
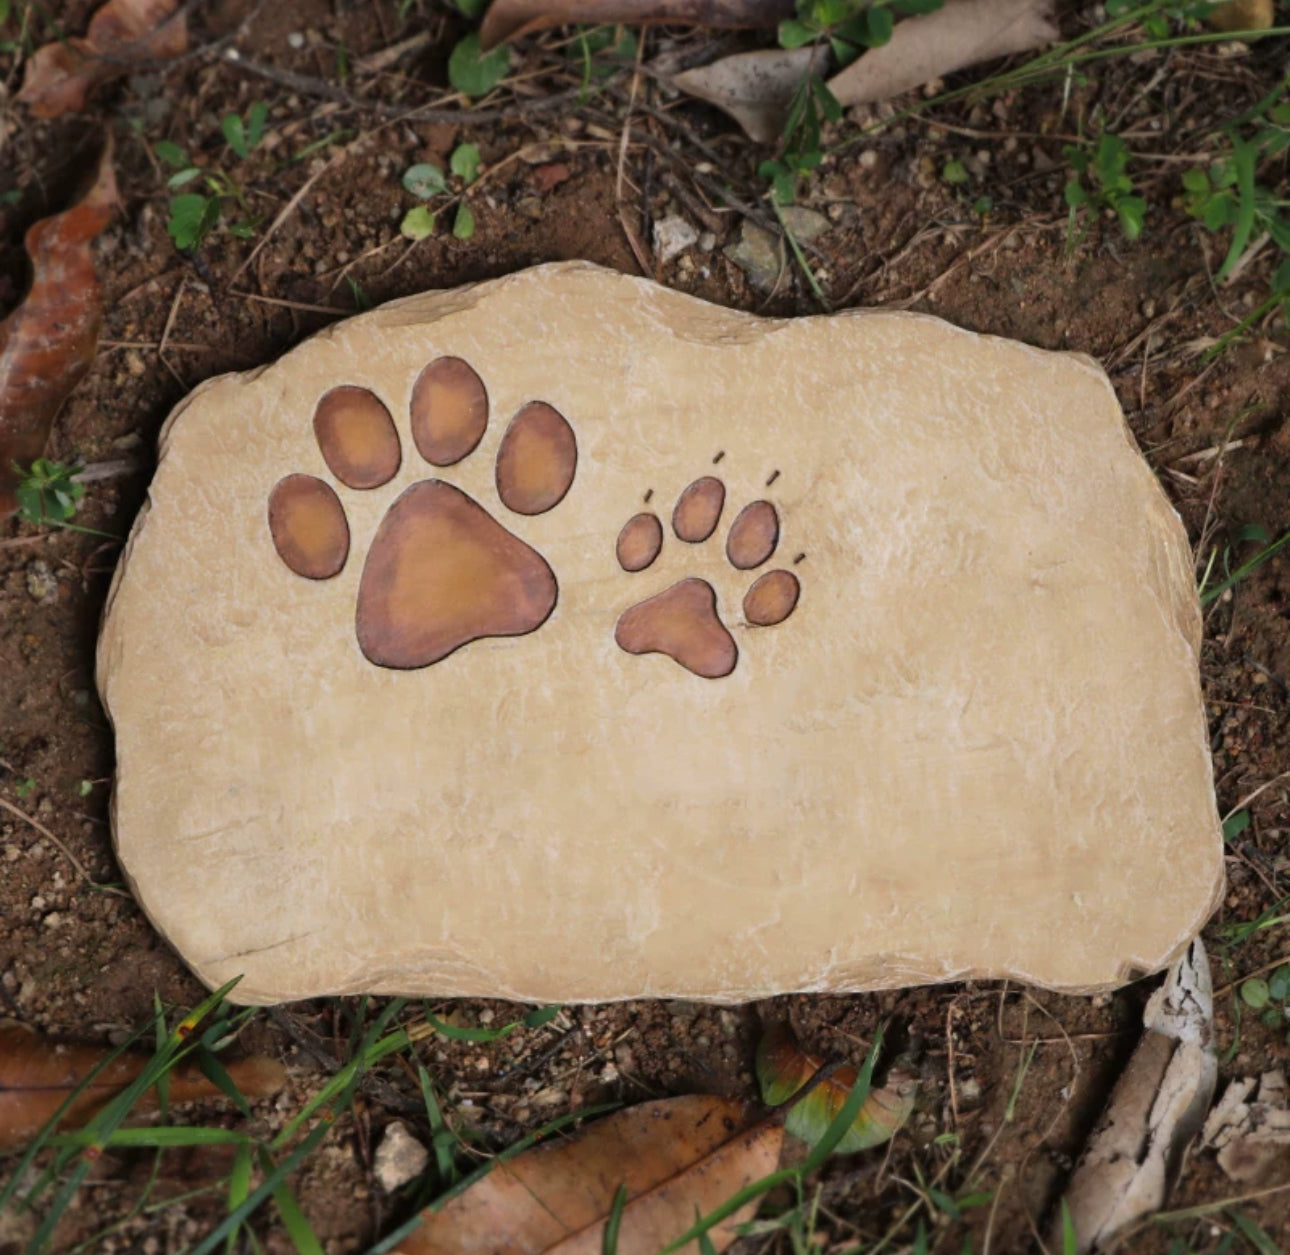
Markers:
<point>441,571</point>
<point>683,621</point>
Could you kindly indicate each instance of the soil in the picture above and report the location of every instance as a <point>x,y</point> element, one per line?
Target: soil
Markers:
<point>1012,1079</point>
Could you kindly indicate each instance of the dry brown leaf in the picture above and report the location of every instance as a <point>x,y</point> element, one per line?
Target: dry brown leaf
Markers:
<point>121,35</point>
<point>1155,1110</point>
<point>1243,15</point>
<point>678,1158</point>
<point>48,342</point>
<point>962,33</point>
<point>36,1077</point>
<point>508,19</point>
<point>755,88</point>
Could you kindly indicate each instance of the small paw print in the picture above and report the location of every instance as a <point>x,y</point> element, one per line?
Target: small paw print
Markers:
<point>683,621</point>
<point>441,571</point>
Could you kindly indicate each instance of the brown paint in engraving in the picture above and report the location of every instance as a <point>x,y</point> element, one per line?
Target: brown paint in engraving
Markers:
<point>449,411</point>
<point>307,523</point>
<point>537,460</point>
<point>640,541</point>
<point>682,623</point>
<point>356,435</point>
<point>772,598</point>
<point>698,510</point>
<point>442,572</point>
<point>753,535</point>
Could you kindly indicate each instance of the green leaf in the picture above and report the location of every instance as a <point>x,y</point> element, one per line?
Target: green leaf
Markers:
<point>424,180</point>
<point>1279,983</point>
<point>954,172</point>
<point>235,134</point>
<point>464,163</point>
<point>1255,993</point>
<point>1244,157</point>
<point>916,7</point>
<point>171,153</point>
<point>541,1017</point>
<point>1075,194</point>
<point>1132,211</point>
<point>1235,824</point>
<point>1070,1243</point>
<point>1195,180</point>
<point>795,34</point>
<point>418,223</point>
<point>475,73</point>
<point>471,8</point>
<point>255,121</point>
<point>184,176</point>
<point>881,24</point>
<point>463,225</point>
<point>829,104</point>
<point>920,1246</point>
<point>191,219</point>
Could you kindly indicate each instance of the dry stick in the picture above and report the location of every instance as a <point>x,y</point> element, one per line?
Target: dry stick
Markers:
<point>309,86</point>
<point>1249,797</point>
<point>287,210</point>
<point>637,246</point>
<point>71,858</point>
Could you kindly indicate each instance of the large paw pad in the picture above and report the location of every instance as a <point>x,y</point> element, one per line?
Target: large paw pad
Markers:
<point>441,571</point>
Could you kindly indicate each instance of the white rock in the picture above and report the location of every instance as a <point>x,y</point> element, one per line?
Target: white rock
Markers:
<point>672,236</point>
<point>399,1158</point>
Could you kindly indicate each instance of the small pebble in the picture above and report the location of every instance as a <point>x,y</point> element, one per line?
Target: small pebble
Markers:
<point>399,1158</point>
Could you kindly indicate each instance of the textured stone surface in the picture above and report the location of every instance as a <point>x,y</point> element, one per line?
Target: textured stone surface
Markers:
<point>974,746</point>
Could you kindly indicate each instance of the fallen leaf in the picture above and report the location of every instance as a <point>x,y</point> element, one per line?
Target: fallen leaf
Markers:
<point>1157,1107</point>
<point>544,178</point>
<point>1251,1131</point>
<point>508,19</point>
<point>783,1067</point>
<point>48,342</point>
<point>962,33</point>
<point>677,1158</point>
<point>121,35</point>
<point>1243,15</point>
<point>755,88</point>
<point>37,1076</point>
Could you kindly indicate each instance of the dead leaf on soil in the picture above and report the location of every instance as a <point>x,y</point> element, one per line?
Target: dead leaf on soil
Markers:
<point>36,1077</point>
<point>755,88</point>
<point>962,33</point>
<point>1157,1107</point>
<point>48,342</point>
<point>1250,1131</point>
<point>783,1067</point>
<point>508,19</point>
<point>678,1158</point>
<point>1243,15</point>
<point>121,35</point>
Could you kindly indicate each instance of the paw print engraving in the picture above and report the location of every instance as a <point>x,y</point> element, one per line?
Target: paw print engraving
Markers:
<point>441,571</point>
<point>683,622</point>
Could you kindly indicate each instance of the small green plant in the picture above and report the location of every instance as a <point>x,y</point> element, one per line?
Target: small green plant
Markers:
<point>1271,997</point>
<point>1227,194</point>
<point>474,72</point>
<point>194,215</point>
<point>47,492</point>
<point>427,182</point>
<point>25,788</point>
<point>1100,180</point>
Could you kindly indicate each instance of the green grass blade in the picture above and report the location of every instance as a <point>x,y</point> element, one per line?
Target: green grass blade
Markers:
<point>1253,1233</point>
<point>614,1222</point>
<point>1070,1243</point>
<point>293,1219</point>
<point>1243,158</point>
<point>233,1221</point>
<point>239,1186</point>
<point>1242,571</point>
<point>163,1136</point>
<point>440,1134</point>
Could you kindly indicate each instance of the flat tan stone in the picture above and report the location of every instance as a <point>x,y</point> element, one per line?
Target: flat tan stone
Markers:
<point>967,741</point>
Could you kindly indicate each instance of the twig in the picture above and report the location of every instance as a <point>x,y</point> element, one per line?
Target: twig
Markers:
<point>71,858</point>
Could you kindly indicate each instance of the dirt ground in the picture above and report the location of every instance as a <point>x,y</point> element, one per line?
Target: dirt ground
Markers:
<point>1016,1075</point>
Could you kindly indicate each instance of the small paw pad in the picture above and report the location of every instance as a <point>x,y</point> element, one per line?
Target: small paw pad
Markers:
<point>683,621</point>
